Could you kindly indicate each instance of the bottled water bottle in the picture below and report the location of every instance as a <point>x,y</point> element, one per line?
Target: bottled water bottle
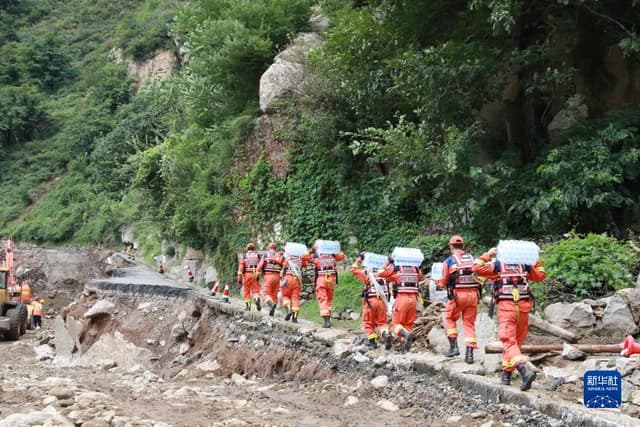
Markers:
<point>372,260</point>
<point>295,249</point>
<point>437,270</point>
<point>410,257</point>
<point>518,252</point>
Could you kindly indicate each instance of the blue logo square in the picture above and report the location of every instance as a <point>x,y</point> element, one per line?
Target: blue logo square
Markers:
<point>602,389</point>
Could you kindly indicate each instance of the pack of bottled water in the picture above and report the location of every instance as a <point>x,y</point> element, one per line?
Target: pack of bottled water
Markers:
<point>372,260</point>
<point>326,247</point>
<point>518,252</point>
<point>435,294</point>
<point>410,257</point>
<point>295,249</point>
<point>437,269</point>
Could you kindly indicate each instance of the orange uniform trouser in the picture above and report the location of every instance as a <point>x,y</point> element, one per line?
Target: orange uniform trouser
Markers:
<point>513,327</point>
<point>324,292</point>
<point>271,284</point>
<point>374,317</point>
<point>250,286</point>
<point>465,304</point>
<point>404,312</point>
<point>291,293</point>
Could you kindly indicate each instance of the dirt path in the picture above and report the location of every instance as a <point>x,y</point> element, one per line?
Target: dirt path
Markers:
<point>157,357</point>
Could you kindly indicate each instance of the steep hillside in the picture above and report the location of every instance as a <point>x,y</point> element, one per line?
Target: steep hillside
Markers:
<point>396,123</point>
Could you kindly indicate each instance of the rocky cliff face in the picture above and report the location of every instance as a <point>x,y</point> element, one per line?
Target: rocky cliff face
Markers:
<point>160,66</point>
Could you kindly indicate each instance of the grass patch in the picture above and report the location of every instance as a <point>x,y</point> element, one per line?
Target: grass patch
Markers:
<point>347,296</point>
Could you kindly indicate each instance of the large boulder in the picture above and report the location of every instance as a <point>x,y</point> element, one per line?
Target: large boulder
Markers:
<point>575,110</point>
<point>65,343</point>
<point>287,72</point>
<point>632,297</point>
<point>575,317</point>
<point>617,320</point>
<point>100,308</point>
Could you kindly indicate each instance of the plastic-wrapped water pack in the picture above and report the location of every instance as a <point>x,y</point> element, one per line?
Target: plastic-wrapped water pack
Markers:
<point>518,252</point>
<point>437,270</point>
<point>295,249</point>
<point>327,247</point>
<point>372,260</point>
<point>410,257</point>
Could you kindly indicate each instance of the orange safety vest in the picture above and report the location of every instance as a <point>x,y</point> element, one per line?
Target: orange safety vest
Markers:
<point>37,309</point>
<point>514,284</point>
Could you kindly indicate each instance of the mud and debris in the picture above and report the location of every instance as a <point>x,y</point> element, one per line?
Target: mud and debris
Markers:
<point>109,357</point>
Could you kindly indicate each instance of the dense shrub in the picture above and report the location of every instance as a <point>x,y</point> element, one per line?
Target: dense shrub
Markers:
<point>589,266</point>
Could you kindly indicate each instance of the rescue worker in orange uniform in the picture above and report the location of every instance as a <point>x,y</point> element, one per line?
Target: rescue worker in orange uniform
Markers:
<point>271,266</point>
<point>248,276</point>
<point>37,312</point>
<point>513,297</point>
<point>291,286</point>
<point>374,309</point>
<point>326,278</point>
<point>463,292</point>
<point>405,289</point>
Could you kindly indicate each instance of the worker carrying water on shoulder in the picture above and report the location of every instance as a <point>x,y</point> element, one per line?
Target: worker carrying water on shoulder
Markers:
<point>249,276</point>
<point>463,292</point>
<point>405,290</point>
<point>291,285</point>
<point>324,255</point>
<point>515,300</point>
<point>270,266</point>
<point>374,306</point>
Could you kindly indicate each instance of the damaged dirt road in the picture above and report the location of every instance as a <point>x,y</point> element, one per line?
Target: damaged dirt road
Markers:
<point>136,349</point>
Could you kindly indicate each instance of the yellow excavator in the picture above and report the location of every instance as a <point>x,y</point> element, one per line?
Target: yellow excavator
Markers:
<point>13,314</point>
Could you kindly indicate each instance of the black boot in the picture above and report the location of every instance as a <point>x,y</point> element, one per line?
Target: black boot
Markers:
<point>258,306</point>
<point>288,315</point>
<point>506,378</point>
<point>272,311</point>
<point>468,357</point>
<point>408,340</point>
<point>247,306</point>
<point>453,350</point>
<point>388,340</point>
<point>327,322</point>
<point>527,375</point>
<point>295,318</point>
<point>372,343</point>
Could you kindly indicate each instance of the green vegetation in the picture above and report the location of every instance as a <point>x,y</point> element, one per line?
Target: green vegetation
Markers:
<point>347,296</point>
<point>589,266</point>
<point>416,120</point>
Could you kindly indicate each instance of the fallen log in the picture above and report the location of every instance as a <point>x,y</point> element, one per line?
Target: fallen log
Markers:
<point>496,347</point>
<point>554,330</point>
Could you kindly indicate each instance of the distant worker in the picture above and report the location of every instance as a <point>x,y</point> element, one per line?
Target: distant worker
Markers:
<point>271,266</point>
<point>374,308</point>
<point>161,269</point>
<point>248,276</point>
<point>326,279</point>
<point>190,276</point>
<point>291,286</point>
<point>463,293</point>
<point>405,289</point>
<point>37,312</point>
<point>514,299</point>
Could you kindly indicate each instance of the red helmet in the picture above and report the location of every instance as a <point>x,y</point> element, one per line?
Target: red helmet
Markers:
<point>251,246</point>
<point>272,245</point>
<point>456,240</point>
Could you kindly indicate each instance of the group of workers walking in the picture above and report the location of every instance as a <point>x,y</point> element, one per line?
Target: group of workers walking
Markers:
<point>285,274</point>
<point>464,276</point>
<point>395,289</point>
